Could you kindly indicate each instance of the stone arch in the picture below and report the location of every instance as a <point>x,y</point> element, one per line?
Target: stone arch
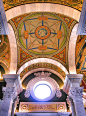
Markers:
<point>39,7</point>
<point>71,51</point>
<point>13,50</point>
<point>42,7</point>
<point>43,69</point>
<point>38,60</point>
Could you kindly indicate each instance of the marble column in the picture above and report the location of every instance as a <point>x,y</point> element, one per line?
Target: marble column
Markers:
<point>77,94</point>
<point>9,95</point>
<point>10,92</point>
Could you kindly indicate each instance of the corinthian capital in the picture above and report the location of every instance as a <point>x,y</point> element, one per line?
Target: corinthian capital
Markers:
<point>9,93</point>
<point>76,92</point>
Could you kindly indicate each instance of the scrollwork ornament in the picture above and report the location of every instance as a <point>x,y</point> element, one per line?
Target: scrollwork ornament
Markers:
<point>27,93</point>
<point>58,93</point>
<point>69,99</point>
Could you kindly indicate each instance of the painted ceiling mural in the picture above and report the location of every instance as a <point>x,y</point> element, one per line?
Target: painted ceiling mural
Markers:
<point>4,50</point>
<point>77,4</point>
<point>42,34</point>
<point>81,58</point>
<point>42,65</point>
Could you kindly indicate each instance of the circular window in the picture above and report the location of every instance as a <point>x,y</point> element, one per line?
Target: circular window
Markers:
<point>42,91</point>
<point>42,88</point>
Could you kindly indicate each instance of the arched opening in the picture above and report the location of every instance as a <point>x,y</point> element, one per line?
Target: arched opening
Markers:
<point>2,71</point>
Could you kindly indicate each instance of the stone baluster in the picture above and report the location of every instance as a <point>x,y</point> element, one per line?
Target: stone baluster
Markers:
<point>10,92</point>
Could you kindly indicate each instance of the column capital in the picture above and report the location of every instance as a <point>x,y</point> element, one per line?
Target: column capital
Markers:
<point>76,93</point>
<point>13,80</point>
<point>75,79</point>
<point>72,80</point>
<point>9,93</point>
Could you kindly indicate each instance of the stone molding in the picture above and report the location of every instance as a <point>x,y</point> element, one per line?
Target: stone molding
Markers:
<point>13,80</point>
<point>72,80</point>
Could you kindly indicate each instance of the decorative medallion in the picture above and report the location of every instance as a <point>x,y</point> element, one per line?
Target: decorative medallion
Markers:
<point>42,33</point>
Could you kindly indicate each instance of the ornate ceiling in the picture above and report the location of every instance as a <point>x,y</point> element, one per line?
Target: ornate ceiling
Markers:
<point>76,4</point>
<point>42,35</point>
<point>45,35</point>
<point>81,58</point>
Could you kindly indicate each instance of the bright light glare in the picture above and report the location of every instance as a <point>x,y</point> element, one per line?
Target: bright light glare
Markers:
<point>42,91</point>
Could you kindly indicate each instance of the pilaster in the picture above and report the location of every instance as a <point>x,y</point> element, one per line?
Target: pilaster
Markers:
<point>76,93</point>
<point>71,104</point>
<point>10,92</point>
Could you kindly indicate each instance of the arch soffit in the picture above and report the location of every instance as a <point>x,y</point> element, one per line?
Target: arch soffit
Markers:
<point>42,69</point>
<point>38,60</point>
<point>42,7</point>
<point>71,51</point>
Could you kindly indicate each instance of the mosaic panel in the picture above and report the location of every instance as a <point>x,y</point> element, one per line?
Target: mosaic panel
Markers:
<point>5,52</point>
<point>43,34</point>
<point>42,65</point>
<point>81,58</point>
<point>76,4</point>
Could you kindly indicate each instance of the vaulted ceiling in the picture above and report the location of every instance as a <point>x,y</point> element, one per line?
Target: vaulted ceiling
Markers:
<point>45,35</point>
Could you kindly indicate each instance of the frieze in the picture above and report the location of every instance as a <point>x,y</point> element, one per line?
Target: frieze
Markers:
<point>43,106</point>
<point>75,80</point>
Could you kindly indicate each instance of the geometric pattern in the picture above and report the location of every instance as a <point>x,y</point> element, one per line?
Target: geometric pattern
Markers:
<point>76,4</point>
<point>42,65</point>
<point>24,55</point>
<point>17,20</point>
<point>42,35</point>
<point>6,56</point>
<point>61,55</point>
<point>5,48</point>
<point>81,58</point>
